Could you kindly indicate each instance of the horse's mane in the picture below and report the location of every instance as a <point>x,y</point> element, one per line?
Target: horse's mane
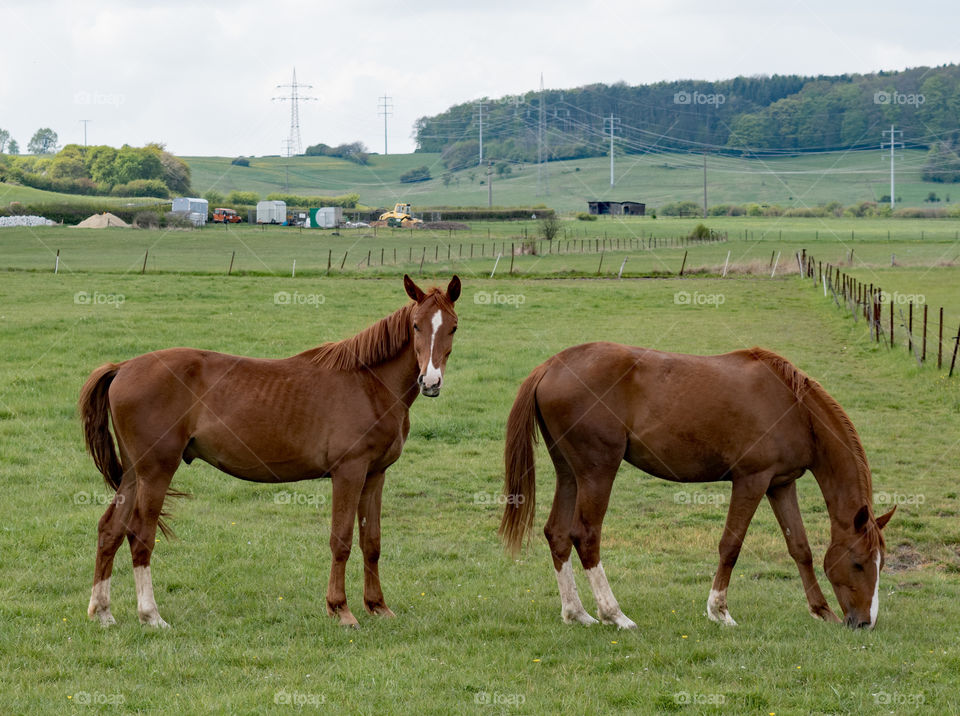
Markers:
<point>802,386</point>
<point>374,345</point>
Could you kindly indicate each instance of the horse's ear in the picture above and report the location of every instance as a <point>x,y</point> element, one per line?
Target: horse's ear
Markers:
<point>883,519</point>
<point>412,289</point>
<point>861,518</point>
<point>453,289</point>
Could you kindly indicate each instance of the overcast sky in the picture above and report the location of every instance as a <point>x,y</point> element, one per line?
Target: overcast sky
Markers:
<point>201,77</point>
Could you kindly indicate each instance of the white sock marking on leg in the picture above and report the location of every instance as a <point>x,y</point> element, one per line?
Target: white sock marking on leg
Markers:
<point>571,608</point>
<point>146,604</point>
<point>607,606</point>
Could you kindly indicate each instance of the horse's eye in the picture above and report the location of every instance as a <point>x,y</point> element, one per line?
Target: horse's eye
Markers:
<point>453,330</point>
<point>857,566</point>
<point>416,327</point>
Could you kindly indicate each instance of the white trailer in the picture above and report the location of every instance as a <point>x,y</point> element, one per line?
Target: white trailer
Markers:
<point>192,208</point>
<point>271,212</point>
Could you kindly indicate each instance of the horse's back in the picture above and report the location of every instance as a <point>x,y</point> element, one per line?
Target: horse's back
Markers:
<point>676,416</point>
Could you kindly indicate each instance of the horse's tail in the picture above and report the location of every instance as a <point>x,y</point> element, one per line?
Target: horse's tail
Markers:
<point>519,485</point>
<point>94,406</point>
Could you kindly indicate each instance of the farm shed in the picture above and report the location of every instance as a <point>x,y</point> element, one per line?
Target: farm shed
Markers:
<point>617,208</point>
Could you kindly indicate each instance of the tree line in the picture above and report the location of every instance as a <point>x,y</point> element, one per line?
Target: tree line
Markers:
<point>96,170</point>
<point>748,116</point>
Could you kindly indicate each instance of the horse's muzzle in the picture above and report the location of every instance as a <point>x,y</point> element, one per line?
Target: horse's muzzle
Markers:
<point>430,391</point>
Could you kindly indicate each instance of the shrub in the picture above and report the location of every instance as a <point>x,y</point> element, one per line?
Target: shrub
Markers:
<point>347,201</point>
<point>142,187</point>
<point>214,198</point>
<point>415,175</point>
<point>245,198</point>
<point>146,220</point>
<point>241,162</point>
<point>700,232</point>
<point>549,226</point>
<point>681,208</point>
<point>585,216</point>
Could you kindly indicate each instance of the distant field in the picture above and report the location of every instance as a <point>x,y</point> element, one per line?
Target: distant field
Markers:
<point>655,179</point>
<point>28,195</point>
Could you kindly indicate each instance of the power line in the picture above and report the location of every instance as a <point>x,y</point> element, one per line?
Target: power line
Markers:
<point>293,143</point>
<point>543,181</point>
<point>385,110</point>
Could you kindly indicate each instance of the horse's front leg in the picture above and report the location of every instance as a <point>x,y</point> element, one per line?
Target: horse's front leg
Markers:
<point>744,497</point>
<point>783,500</point>
<point>348,481</point>
<point>368,517</point>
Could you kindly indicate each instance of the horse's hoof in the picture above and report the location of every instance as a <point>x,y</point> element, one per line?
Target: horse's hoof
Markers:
<point>579,618</point>
<point>619,620</point>
<point>824,613</point>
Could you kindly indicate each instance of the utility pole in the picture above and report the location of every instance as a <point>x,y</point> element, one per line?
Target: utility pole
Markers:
<point>613,122</point>
<point>704,185</point>
<point>543,180</point>
<point>85,123</point>
<point>480,116</point>
<point>489,184</point>
<point>385,110</point>
<point>294,145</point>
<point>893,144</point>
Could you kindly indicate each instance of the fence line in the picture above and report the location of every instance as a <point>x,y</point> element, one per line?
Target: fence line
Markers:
<point>865,300</point>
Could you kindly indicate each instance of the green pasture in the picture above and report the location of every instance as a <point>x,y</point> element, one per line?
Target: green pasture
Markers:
<point>656,179</point>
<point>243,585</point>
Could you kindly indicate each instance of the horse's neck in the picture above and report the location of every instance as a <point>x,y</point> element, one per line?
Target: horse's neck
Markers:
<point>398,376</point>
<point>837,466</point>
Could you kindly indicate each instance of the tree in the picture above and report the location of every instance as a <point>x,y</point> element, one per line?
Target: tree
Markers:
<point>4,138</point>
<point>44,141</point>
<point>14,147</point>
<point>550,226</point>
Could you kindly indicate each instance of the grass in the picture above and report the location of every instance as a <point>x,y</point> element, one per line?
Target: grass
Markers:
<point>243,585</point>
<point>28,195</point>
<point>655,179</point>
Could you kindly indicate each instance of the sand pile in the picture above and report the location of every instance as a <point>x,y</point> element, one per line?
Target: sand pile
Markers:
<point>102,221</point>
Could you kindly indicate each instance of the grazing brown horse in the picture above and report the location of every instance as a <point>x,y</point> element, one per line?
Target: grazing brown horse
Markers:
<point>749,417</point>
<point>338,411</point>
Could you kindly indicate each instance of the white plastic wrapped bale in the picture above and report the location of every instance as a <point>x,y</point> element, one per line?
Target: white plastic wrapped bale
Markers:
<point>6,221</point>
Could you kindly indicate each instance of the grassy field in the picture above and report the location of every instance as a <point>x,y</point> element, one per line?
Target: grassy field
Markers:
<point>243,585</point>
<point>655,179</point>
<point>28,195</point>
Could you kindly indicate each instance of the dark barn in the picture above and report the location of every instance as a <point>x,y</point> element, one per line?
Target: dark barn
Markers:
<point>618,208</point>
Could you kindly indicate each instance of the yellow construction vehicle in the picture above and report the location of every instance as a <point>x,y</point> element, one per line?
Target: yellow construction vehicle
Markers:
<point>400,216</point>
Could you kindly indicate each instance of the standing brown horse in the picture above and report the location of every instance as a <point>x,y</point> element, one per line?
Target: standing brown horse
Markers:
<point>749,417</point>
<point>339,411</point>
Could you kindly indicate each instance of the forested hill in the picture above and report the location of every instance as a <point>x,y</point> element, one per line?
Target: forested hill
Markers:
<point>745,115</point>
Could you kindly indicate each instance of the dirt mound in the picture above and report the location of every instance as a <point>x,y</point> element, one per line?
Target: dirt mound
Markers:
<point>102,221</point>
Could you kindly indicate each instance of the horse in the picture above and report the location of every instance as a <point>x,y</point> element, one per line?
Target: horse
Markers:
<point>340,410</point>
<point>749,417</point>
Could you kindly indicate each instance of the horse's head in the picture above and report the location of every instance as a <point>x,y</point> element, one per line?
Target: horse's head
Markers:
<point>434,323</point>
<point>853,563</point>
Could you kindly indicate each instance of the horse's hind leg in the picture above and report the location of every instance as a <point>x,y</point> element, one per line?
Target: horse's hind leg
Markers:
<point>593,495</point>
<point>557,531</point>
<point>783,500</point>
<point>153,479</point>
<point>110,533</point>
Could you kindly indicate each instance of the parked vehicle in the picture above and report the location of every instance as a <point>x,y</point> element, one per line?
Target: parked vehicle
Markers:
<point>226,216</point>
<point>193,208</point>
<point>272,212</point>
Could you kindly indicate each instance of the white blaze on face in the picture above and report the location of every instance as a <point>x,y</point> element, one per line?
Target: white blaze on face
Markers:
<point>432,376</point>
<point>875,603</point>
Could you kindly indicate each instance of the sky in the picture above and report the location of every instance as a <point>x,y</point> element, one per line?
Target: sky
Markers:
<point>201,77</point>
